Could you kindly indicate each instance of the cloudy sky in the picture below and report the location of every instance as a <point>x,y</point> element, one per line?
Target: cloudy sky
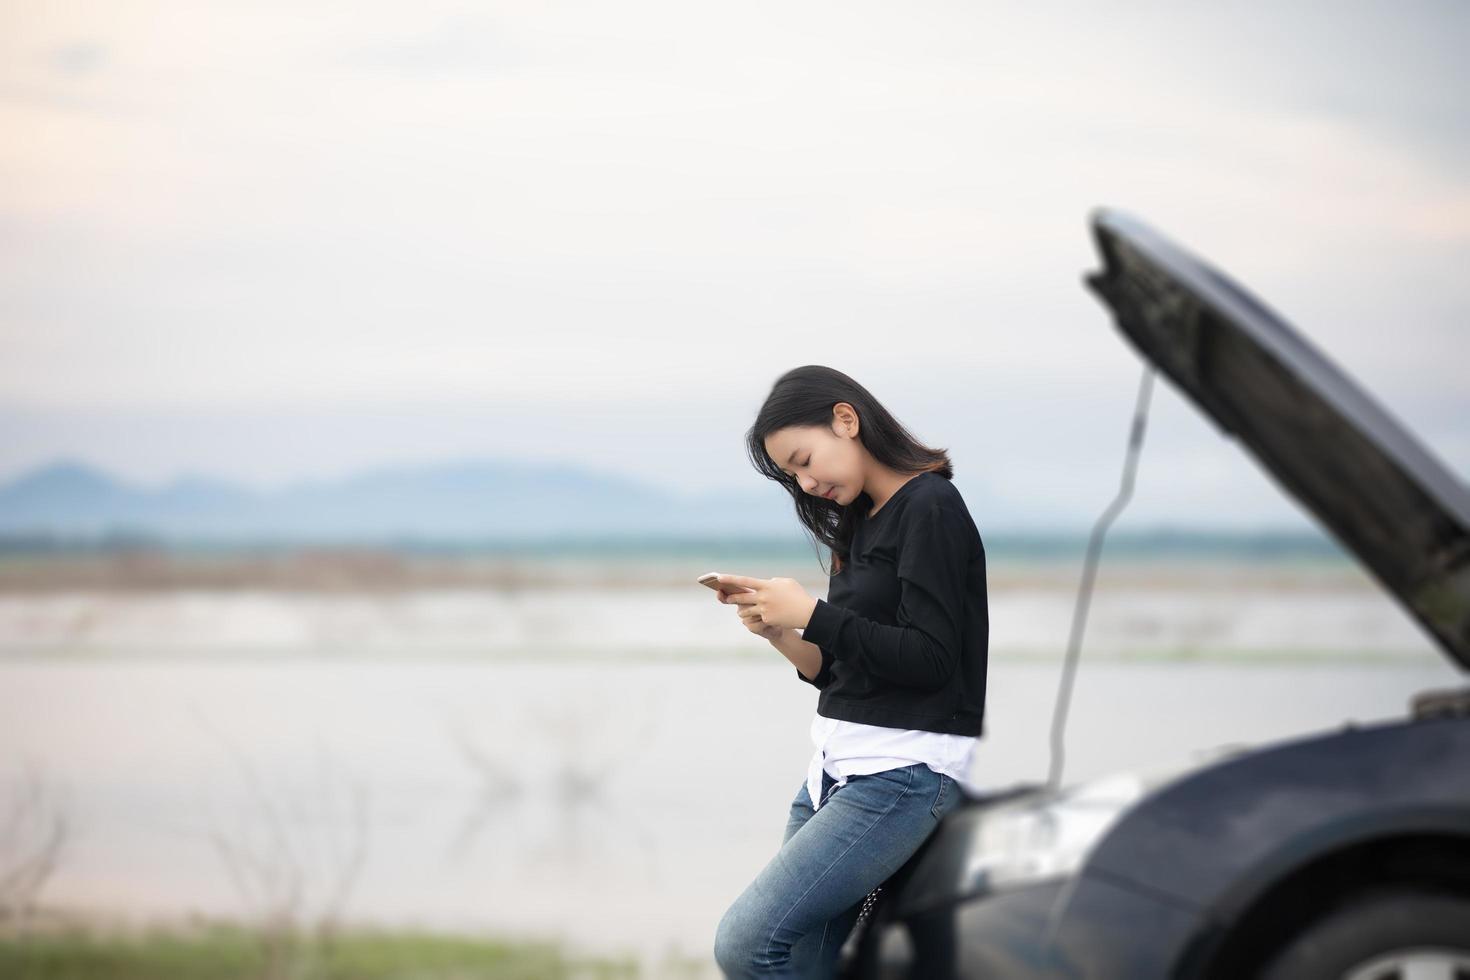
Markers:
<point>272,241</point>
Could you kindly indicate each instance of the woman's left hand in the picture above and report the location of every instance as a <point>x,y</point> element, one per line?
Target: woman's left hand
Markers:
<point>779,601</point>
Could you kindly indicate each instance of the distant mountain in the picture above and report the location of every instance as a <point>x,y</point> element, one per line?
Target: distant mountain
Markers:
<point>472,498</point>
<point>466,503</point>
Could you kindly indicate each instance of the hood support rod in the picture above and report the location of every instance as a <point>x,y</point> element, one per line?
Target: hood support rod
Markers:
<point>1089,569</point>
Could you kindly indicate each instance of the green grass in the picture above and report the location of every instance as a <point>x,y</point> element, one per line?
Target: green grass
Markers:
<point>230,952</point>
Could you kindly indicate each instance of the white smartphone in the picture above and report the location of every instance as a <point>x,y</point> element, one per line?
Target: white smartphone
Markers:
<point>712,580</point>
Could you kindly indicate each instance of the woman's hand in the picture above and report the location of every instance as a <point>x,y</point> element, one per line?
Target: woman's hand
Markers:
<point>775,601</point>
<point>752,619</point>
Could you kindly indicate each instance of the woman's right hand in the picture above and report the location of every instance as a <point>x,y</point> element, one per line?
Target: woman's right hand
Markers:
<point>752,619</point>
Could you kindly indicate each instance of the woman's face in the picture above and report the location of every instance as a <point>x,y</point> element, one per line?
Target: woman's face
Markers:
<point>826,461</point>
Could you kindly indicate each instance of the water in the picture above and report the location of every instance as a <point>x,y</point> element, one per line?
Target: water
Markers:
<point>618,806</point>
<point>1142,609</point>
<point>582,756</point>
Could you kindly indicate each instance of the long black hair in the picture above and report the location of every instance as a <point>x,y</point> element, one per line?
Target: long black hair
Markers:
<point>805,396</point>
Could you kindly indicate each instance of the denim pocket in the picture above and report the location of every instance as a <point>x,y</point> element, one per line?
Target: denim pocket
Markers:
<point>827,793</point>
<point>943,799</point>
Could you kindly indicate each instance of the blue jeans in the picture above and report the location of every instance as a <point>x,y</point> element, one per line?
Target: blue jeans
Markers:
<point>792,920</point>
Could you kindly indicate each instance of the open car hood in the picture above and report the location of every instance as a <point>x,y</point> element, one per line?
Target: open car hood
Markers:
<point>1372,484</point>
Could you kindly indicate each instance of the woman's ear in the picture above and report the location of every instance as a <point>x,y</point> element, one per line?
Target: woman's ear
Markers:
<point>844,419</point>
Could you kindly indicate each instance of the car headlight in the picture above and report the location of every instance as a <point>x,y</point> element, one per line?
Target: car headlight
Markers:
<point>1047,835</point>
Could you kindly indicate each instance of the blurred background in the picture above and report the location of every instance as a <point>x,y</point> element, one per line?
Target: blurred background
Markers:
<point>373,382</point>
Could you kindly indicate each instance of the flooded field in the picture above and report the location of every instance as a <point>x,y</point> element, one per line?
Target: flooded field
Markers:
<point>608,767</point>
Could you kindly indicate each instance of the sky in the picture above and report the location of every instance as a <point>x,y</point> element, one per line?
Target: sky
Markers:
<point>269,242</point>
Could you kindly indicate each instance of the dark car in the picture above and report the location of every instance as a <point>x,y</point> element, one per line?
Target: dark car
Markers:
<point>1340,855</point>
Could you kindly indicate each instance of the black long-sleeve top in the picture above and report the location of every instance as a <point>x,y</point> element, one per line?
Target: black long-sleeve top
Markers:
<point>904,631</point>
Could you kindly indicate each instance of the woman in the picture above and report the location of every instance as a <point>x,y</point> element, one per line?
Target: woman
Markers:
<point>898,650</point>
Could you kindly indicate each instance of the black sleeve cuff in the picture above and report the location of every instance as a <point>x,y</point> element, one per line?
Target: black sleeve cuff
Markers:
<point>824,676</point>
<point>821,629</point>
